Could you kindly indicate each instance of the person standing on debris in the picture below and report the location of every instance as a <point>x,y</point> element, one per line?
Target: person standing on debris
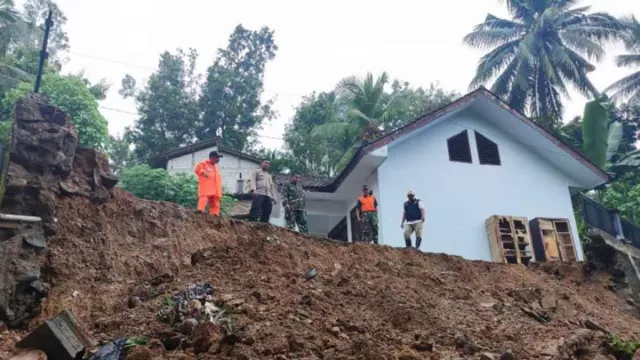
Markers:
<point>412,219</point>
<point>209,183</point>
<point>263,191</point>
<point>367,215</point>
<point>294,205</point>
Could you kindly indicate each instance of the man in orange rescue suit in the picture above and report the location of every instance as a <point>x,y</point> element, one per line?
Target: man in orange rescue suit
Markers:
<point>367,215</point>
<point>209,183</point>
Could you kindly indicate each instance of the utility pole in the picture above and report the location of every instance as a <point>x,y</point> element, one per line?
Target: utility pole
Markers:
<point>43,53</point>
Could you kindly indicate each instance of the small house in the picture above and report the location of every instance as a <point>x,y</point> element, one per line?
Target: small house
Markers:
<point>469,161</point>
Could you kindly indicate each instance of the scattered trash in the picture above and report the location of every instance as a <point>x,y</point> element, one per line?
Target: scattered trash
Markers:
<point>111,351</point>
<point>312,273</point>
<point>75,293</point>
<point>194,305</point>
<point>59,338</point>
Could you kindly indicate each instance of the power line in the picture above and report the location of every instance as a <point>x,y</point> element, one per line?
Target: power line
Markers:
<point>153,70</point>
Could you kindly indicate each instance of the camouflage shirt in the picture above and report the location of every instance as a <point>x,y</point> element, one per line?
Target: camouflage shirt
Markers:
<point>294,196</point>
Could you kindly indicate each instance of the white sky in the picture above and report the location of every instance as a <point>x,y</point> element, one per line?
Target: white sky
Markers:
<point>320,43</point>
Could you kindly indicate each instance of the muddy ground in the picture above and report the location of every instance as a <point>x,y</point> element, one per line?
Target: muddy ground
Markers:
<point>368,302</point>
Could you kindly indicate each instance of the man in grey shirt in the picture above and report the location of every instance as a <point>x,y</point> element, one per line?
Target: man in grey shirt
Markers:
<point>263,191</point>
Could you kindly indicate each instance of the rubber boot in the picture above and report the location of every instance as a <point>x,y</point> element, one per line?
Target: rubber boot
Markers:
<point>418,241</point>
<point>407,242</point>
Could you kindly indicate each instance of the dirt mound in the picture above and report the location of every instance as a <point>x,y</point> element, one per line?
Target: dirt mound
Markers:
<point>366,303</point>
<point>115,261</point>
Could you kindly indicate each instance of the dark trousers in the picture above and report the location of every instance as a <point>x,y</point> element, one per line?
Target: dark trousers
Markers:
<point>261,208</point>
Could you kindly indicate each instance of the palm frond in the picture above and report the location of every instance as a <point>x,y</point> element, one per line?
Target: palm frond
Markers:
<point>583,45</point>
<point>628,86</point>
<point>494,61</point>
<point>628,60</point>
<point>334,131</point>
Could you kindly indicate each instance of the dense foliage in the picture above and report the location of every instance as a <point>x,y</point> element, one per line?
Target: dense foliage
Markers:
<point>156,184</point>
<point>71,94</point>
<point>177,109</point>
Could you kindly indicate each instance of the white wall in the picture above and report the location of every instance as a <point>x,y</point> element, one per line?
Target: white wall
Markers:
<point>231,166</point>
<point>459,197</point>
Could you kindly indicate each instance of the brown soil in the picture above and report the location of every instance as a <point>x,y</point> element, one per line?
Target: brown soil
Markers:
<point>367,302</point>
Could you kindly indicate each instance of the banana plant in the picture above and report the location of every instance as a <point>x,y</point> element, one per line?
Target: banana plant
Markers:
<point>602,137</point>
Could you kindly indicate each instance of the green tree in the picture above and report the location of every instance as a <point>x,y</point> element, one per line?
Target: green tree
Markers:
<point>629,86</point>
<point>35,13</point>
<point>168,105</point>
<point>543,49</point>
<point>310,153</point>
<point>231,95</point>
<point>156,184</point>
<point>119,152</point>
<point>71,94</point>
<point>367,111</point>
<point>412,103</point>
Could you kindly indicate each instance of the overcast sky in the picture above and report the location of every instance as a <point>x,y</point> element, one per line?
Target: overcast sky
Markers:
<point>320,43</point>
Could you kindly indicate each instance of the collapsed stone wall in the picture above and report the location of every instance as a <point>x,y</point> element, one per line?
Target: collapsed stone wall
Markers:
<point>45,164</point>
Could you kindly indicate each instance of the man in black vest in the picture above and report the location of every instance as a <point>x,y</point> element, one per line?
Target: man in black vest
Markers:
<point>412,219</point>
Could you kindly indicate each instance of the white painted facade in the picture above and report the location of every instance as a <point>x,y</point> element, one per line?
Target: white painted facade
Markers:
<point>459,197</point>
<point>535,179</point>
<point>235,170</point>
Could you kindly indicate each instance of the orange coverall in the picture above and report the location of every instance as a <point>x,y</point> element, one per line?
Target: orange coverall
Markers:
<point>209,186</point>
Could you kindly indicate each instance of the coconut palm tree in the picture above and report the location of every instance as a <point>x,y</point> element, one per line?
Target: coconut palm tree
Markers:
<point>629,86</point>
<point>368,107</point>
<point>546,46</point>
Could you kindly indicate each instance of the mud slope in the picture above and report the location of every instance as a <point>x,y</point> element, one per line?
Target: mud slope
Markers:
<point>366,303</point>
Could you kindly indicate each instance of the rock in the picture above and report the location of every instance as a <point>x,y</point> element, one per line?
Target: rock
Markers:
<point>34,238</point>
<point>134,301</point>
<point>171,340</point>
<point>31,355</point>
<point>343,336</point>
<point>592,325</point>
<point>188,325</point>
<point>335,331</point>
<point>507,355</point>
<point>59,338</point>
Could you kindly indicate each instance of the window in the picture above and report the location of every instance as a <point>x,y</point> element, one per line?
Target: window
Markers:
<point>459,149</point>
<point>240,187</point>
<point>487,150</point>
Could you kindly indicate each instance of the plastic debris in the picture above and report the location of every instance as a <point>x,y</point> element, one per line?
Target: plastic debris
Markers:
<point>111,351</point>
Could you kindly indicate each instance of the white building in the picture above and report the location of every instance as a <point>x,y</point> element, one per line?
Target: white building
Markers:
<point>467,161</point>
<point>234,166</point>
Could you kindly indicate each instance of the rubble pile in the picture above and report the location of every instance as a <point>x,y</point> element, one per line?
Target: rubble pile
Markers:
<point>195,286</point>
<point>46,163</point>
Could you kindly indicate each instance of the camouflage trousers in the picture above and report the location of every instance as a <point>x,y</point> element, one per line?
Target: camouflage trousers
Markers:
<point>296,217</point>
<point>369,227</point>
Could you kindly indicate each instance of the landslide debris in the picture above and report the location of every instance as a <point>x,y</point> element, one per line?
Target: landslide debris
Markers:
<point>116,263</point>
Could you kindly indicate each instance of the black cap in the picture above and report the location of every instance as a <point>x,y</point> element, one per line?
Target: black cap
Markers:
<point>215,153</point>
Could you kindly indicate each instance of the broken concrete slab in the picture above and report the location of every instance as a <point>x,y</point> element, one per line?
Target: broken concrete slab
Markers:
<point>60,338</point>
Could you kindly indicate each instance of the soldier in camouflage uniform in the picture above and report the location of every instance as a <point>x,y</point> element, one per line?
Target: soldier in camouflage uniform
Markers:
<point>294,205</point>
<point>367,215</point>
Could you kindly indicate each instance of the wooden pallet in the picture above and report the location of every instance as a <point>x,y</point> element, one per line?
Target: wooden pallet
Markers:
<point>509,239</point>
<point>552,240</point>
